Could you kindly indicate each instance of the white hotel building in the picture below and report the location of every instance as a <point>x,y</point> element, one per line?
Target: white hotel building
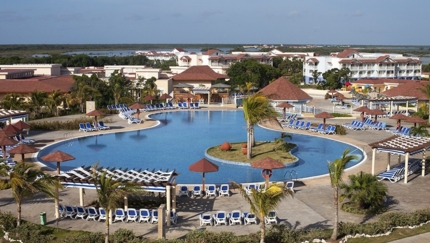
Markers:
<point>364,65</point>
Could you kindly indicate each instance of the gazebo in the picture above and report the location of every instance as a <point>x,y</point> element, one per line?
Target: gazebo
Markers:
<point>401,146</point>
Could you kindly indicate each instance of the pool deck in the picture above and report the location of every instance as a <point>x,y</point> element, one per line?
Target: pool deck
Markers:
<point>312,205</point>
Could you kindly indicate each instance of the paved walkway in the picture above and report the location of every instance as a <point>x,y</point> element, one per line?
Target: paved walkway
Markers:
<point>312,205</point>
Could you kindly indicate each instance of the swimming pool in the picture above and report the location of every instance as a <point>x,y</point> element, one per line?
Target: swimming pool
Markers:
<point>182,139</point>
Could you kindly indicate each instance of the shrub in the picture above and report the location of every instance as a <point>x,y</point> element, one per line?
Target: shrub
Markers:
<point>122,235</point>
<point>7,220</point>
<point>87,238</point>
<point>62,125</point>
<point>29,232</point>
<point>335,114</point>
<point>340,130</point>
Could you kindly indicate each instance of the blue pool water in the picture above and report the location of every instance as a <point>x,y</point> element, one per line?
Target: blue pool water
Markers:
<point>182,139</point>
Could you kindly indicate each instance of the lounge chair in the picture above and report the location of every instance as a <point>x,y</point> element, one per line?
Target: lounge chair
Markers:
<point>120,215</point>
<point>183,191</point>
<point>132,215</point>
<point>224,190</point>
<point>288,124</point>
<point>61,210</point>
<point>82,127</point>
<point>154,216</point>
<point>102,213</point>
<point>191,105</point>
<point>271,218</point>
<point>249,218</point>
<point>393,175</point>
<point>144,215</point>
<point>92,213</point>
<point>89,127</point>
<point>197,191</point>
<point>205,219</point>
<point>220,217</point>
<point>196,105</point>
<point>210,190</point>
<point>235,217</point>
<point>290,185</point>
<point>69,212</point>
<point>316,129</point>
<point>307,126</point>
<point>250,188</point>
<point>81,212</point>
<point>102,126</point>
<point>173,217</point>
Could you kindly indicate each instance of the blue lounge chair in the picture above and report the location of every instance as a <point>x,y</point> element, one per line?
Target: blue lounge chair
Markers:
<point>183,191</point>
<point>307,126</point>
<point>235,217</point>
<point>102,213</point>
<point>81,212</point>
<point>301,124</point>
<point>224,190</point>
<point>220,217</point>
<point>82,127</point>
<point>316,129</point>
<point>197,191</point>
<point>196,105</point>
<point>191,105</point>
<point>144,215</point>
<point>289,124</point>
<point>102,126</point>
<point>92,213</point>
<point>132,215</point>
<point>89,127</point>
<point>120,215</point>
<point>210,190</point>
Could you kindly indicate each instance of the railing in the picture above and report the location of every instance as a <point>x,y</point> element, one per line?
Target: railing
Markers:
<point>292,175</point>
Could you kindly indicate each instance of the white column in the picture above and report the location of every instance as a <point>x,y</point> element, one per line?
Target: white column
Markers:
<point>388,159</point>
<point>373,160</point>
<point>81,196</point>
<point>168,198</point>
<point>406,167</point>
<point>126,204</point>
<point>423,163</point>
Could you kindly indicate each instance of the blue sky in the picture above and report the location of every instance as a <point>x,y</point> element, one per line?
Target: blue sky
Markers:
<point>364,22</point>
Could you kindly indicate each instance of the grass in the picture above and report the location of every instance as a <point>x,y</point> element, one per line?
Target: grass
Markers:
<point>260,151</point>
<point>395,235</point>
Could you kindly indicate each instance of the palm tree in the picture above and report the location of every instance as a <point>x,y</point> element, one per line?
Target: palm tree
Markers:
<point>119,85</point>
<point>365,191</point>
<point>421,130</point>
<point>256,108</point>
<point>111,191</point>
<point>280,143</point>
<point>37,100</point>
<point>426,91</point>
<point>53,101</point>
<point>26,181</point>
<point>262,202</point>
<point>336,169</point>
<point>13,102</point>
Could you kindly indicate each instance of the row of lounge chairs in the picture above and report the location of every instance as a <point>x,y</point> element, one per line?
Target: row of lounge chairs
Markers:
<point>210,190</point>
<point>288,117</point>
<point>320,129</point>
<point>250,187</point>
<point>118,107</point>
<point>184,105</point>
<point>235,217</point>
<point>131,215</point>
<point>367,124</point>
<point>397,173</point>
<point>86,127</point>
<point>303,125</point>
<point>404,131</point>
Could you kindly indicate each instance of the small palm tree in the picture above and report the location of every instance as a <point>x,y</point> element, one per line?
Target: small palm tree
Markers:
<point>111,191</point>
<point>421,130</point>
<point>256,108</point>
<point>26,181</point>
<point>365,191</point>
<point>336,169</point>
<point>280,143</point>
<point>426,91</point>
<point>262,202</point>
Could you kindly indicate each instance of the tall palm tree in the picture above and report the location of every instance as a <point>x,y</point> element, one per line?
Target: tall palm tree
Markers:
<point>119,85</point>
<point>426,91</point>
<point>54,100</point>
<point>256,108</point>
<point>13,101</point>
<point>262,202</point>
<point>37,100</point>
<point>365,191</point>
<point>111,191</point>
<point>421,130</point>
<point>26,181</point>
<point>336,169</point>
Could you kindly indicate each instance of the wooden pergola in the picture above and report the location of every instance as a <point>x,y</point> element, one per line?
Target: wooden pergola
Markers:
<point>401,146</point>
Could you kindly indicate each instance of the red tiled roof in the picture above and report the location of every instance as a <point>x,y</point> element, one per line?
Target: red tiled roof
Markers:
<point>210,52</point>
<point>410,88</point>
<point>41,83</point>
<point>380,81</point>
<point>283,89</point>
<point>314,60</point>
<point>186,58</point>
<point>198,73</point>
<point>180,49</point>
<point>346,53</point>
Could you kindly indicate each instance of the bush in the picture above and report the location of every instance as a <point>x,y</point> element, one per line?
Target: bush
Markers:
<point>62,125</point>
<point>122,235</point>
<point>340,130</point>
<point>88,238</point>
<point>335,114</point>
<point>29,232</point>
<point>7,220</point>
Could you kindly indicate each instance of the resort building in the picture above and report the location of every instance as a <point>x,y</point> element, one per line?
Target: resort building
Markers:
<point>364,65</point>
<point>410,89</point>
<point>377,85</point>
<point>282,90</point>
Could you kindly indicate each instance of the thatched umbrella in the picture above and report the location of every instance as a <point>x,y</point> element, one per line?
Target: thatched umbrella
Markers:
<point>284,106</point>
<point>137,107</point>
<point>12,129</point>
<point>376,113</point>
<point>324,115</point>
<point>149,98</point>
<point>21,125</point>
<point>5,140</point>
<point>415,120</point>
<point>95,113</point>
<point>165,97</point>
<point>23,149</point>
<point>362,109</point>
<point>203,166</point>
<point>399,117</point>
<point>267,164</point>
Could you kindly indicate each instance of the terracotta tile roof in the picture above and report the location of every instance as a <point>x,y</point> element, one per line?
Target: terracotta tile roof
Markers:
<point>198,73</point>
<point>186,58</point>
<point>180,49</point>
<point>380,81</point>
<point>210,52</point>
<point>283,89</point>
<point>410,88</point>
<point>346,53</point>
<point>41,83</point>
<point>314,60</point>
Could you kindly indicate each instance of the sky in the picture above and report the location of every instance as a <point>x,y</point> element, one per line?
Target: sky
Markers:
<point>320,22</point>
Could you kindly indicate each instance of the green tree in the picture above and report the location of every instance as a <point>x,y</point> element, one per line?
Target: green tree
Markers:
<point>111,191</point>
<point>264,201</point>
<point>421,131</point>
<point>119,86</point>
<point>13,102</point>
<point>251,71</point>
<point>364,191</point>
<point>315,76</point>
<point>256,108</point>
<point>83,90</point>
<point>280,143</point>
<point>296,78</point>
<point>336,169</point>
<point>37,100</point>
<point>426,91</point>
<point>53,101</point>
<point>26,181</point>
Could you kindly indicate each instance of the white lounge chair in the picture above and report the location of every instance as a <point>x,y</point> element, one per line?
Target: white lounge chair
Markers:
<point>210,190</point>
<point>69,212</point>
<point>120,215</point>
<point>290,185</point>
<point>271,218</point>
<point>224,190</point>
<point>132,215</point>
<point>249,218</point>
<point>183,191</point>
<point>220,217</point>
<point>205,219</point>
<point>102,213</point>
<point>144,215</point>
<point>197,191</point>
<point>235,217</point>
<point>173,217</point>
<point>154,216</point>
<point>81,212</point>
<point>92,213</point>
<point>61,210</point>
